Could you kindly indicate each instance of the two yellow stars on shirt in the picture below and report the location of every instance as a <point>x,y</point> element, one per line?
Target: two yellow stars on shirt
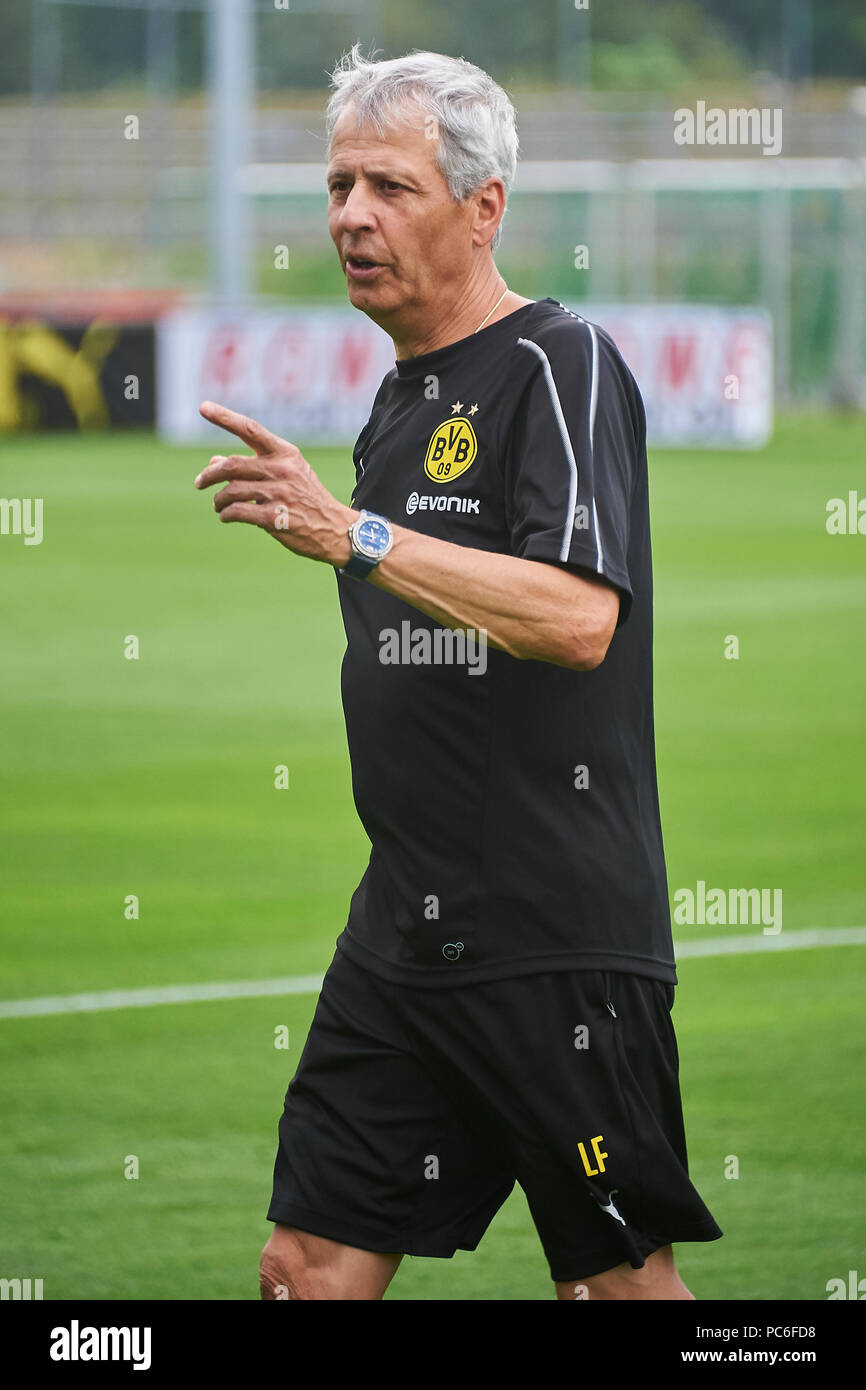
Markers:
<point>458,406</point>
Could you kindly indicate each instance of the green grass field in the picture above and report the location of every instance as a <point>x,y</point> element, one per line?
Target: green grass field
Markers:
<point>155,777</point>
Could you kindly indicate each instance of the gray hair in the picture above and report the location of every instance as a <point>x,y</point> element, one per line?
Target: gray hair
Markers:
<point>474,118</point>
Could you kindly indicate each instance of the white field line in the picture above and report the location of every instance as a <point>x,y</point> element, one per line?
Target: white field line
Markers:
<point>166,994</point>
<point>310,984</point>
<point>785,941</point>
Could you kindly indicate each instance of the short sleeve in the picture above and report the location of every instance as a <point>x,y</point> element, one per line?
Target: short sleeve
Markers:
<point>576,441</point>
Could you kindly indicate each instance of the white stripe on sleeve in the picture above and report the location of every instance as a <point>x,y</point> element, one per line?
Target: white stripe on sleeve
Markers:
<point>566,439</point>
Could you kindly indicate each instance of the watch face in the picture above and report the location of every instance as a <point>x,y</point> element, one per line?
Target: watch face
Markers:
<point>372,537</point>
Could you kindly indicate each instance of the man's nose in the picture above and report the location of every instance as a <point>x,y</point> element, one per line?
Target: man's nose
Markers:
<point>357,210</point>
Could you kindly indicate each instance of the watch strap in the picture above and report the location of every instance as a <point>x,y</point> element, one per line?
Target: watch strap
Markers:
<point>358,567</point>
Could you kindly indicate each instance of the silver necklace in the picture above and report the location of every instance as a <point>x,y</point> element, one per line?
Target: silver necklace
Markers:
<point>493,310</point>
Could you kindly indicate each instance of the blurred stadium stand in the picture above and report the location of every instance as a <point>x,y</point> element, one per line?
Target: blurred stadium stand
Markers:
<point>83,207</point>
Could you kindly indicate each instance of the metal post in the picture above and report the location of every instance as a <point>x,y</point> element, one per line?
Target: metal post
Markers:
<point>161,50</point>
<point>775,217</point>
<point>796,40</point>
<point>44,51</point>
<point>573,46</point>
<point>45,78</point>
<point>604,226</point>
<point>640,243</point>
<point>230,83</point>
<point>848,367</point>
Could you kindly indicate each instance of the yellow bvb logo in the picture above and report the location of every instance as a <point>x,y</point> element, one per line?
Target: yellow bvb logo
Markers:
<point>451,450</point>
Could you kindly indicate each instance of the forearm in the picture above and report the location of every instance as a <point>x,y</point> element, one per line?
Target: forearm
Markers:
<point>529,609</point>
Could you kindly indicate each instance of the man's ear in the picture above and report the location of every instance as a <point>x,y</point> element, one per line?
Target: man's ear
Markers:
<point>489,200</point>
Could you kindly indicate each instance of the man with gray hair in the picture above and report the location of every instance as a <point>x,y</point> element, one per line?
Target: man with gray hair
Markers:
<point>498,1006</point>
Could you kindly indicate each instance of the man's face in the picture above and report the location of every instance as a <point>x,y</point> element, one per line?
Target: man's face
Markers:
<point>389,204</point>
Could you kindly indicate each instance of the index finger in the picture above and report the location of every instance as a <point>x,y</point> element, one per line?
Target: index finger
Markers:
<point>247,429</point>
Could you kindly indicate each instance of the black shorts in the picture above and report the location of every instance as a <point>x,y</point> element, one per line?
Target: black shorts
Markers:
<point>413,1112</point>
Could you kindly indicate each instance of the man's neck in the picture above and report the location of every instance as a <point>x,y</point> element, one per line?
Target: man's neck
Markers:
<point>445,324</point>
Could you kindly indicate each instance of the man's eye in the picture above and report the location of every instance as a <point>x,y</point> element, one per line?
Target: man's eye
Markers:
<point>389,184</point>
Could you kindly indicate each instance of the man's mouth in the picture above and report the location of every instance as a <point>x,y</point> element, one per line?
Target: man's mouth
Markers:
<point>362,269</point>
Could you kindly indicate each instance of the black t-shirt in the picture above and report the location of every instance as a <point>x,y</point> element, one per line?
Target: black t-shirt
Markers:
<point>511,805</point>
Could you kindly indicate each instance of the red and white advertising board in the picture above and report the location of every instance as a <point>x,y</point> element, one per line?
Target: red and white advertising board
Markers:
<point>310,375</point>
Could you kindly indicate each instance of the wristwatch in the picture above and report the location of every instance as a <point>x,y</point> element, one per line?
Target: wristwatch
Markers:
<point>371,537</point>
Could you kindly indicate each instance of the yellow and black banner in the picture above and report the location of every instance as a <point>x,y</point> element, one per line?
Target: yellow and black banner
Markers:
<point>63,376</point>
